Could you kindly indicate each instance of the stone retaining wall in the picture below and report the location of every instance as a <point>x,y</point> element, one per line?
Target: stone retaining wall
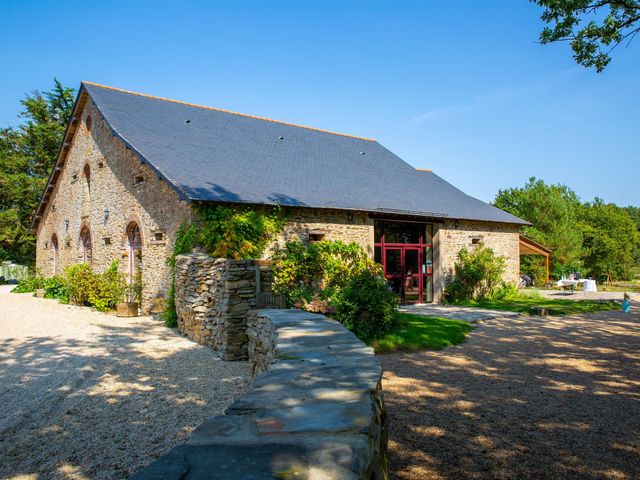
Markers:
<point>213,296</point>
<point>316,411</point>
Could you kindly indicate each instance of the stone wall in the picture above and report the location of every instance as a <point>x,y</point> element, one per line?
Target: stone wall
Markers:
<point>453,235</point>
<point>332,224</point>
<point>128,189</point>
<point>316,411</point>
<point>213,297</point>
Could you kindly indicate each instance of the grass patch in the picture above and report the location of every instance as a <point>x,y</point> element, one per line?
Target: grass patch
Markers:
<point>419,333</point>
<point>526,302</point>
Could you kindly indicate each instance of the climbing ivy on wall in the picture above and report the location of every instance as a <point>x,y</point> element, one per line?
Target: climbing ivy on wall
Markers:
<point>237,232</point>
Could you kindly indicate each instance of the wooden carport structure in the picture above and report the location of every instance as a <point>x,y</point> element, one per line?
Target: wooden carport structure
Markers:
<point>529,247</point>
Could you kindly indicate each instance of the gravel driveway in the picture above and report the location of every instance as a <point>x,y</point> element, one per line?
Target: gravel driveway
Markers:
<point>522,398</point>
<point>84,395</point>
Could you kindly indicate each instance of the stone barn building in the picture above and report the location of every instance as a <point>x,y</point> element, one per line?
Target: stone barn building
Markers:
<point>131,165</point>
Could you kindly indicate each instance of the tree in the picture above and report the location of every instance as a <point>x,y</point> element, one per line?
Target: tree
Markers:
<point>27,154</point>
<point>552,210</point>
<point>611,240</point>
<point>592,27</point>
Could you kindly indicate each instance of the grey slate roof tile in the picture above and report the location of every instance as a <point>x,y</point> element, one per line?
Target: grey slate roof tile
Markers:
<point>212,155</point>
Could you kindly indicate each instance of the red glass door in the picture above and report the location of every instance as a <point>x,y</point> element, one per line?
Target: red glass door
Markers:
<point>412,279</point>
<point>402,269</point>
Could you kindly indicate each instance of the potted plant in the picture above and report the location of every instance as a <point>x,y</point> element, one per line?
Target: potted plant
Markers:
<point>132,294</point>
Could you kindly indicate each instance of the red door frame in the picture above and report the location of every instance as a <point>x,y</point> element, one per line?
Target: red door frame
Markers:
<point>422,275</point>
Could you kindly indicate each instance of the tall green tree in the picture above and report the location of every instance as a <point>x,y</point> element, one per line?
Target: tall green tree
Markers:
<point>27,154</point>
<point>611,240</point>
<point>592,27</point>
<point>552,210</point>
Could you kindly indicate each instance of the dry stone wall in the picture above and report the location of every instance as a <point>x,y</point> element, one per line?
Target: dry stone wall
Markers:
<point>315,411</point>
<point>213,297</point>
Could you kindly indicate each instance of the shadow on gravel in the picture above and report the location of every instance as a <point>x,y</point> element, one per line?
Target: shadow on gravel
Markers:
<point>104,407</point>
<point>522,398</point>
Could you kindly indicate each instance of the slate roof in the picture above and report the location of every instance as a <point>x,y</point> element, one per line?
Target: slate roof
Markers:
<point>213,155</point>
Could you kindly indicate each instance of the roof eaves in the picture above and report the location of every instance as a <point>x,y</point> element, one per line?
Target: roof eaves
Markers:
<point>66,144</point>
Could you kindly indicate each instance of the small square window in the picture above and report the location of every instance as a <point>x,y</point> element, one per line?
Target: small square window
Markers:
<point>158,236</point>
<point>476,240</point>
<point>107,240</point>
<point>316,236</point>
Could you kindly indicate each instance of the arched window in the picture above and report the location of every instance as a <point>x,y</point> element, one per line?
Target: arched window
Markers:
<point>134,245</point>
<point>88,123</point>
<point>56,258</point>
<point>85,240</point>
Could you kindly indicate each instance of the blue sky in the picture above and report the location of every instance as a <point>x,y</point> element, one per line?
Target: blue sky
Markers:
<point>460,87</point>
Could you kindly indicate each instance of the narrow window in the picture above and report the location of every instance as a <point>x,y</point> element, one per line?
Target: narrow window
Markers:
<point>85,241</point>
<point>88,123</point>
<point>56,260</point>
<point>134,241</point>
<point>87,176</point>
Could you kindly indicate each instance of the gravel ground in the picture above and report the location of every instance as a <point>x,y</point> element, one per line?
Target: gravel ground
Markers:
<point>84,395</point>
<point>522,398</point>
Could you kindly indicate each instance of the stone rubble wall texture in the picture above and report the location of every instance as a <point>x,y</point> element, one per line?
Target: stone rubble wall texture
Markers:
<point>213,297</point>
<point>334,224</point>
<point>315,412</point>
<point>503,239</point>
<point>152,204</point>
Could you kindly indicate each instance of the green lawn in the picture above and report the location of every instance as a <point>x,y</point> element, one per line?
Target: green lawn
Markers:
<point>525,303</point>
<point>420,333</point>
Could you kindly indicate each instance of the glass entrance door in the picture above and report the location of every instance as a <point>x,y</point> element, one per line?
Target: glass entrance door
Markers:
<point>404,249</point>
<point>412,280</point>
<point>403,273</point>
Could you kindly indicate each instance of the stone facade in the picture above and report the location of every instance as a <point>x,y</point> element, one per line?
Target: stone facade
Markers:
<point>213,297</point>
<point>452,235</point>
<point>316,411</point>
<point>303,223</point>
<point>128,189</point>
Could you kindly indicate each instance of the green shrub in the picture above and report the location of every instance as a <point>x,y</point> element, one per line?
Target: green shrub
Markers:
<point>317,272</point>
<point>56,287</point>
<point>237,232</point>
<point>477,274</point>
<point>81,282</point>
<point>107,289</point>
<point>30,283</point>
<point>366,305</point>
<point>340,280</point>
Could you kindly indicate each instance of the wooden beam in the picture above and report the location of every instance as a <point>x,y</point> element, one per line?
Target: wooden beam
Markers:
<point>547,265</point>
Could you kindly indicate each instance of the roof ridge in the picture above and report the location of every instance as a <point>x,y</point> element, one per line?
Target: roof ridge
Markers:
<point>256,117</point>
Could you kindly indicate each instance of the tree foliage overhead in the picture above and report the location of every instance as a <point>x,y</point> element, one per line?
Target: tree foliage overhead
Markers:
<point>27,154</point>
<point>592,27</point>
